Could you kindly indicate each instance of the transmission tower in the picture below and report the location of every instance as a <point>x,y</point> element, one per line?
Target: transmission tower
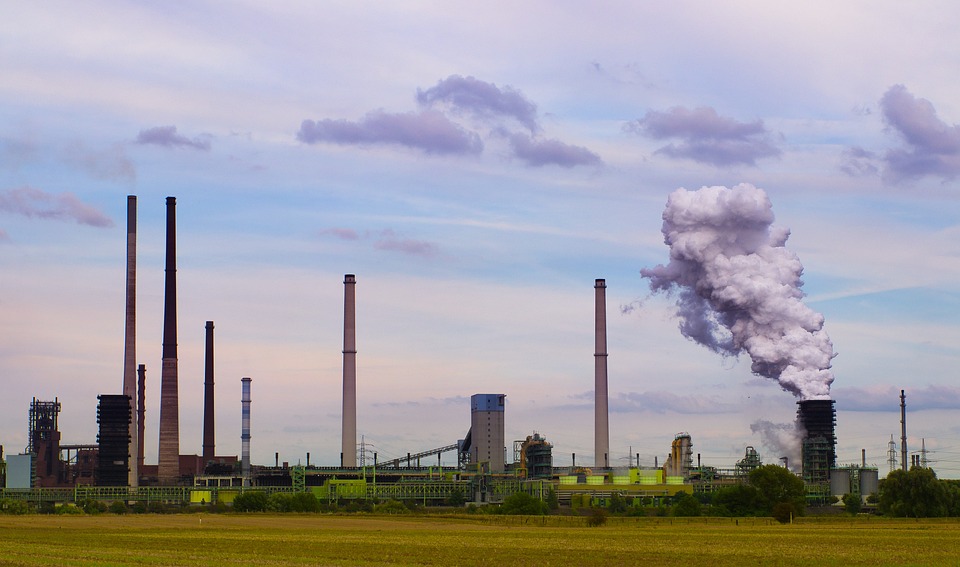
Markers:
<point>892,454</point>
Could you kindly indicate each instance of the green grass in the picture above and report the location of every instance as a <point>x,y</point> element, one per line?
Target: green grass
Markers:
<point>234,539</point>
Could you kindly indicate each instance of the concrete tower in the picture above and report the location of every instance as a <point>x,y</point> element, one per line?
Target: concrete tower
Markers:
<point>245,430</point>
<point>130,336</point>
<point>209,445</point>
<point>349,426</point>
<point>487,430</point>
<point>601,432</point>
<point>168,464</point>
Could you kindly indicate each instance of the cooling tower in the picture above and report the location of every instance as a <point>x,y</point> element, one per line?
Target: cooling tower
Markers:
<point>349,426</point>
<point>130,335</point>
<point>601,440</point>
<point>209,444</point>
<point>245,430</point>
<point>818,421</point>
<point>168,464</point>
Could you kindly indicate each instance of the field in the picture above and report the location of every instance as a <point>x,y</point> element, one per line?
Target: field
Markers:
<point>233,539</point>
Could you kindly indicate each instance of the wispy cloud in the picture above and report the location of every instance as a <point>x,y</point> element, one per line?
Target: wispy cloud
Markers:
<point>387,240</point>
<point>167,137</point>
<point>932,146</point>
<point>4,237</point>
<point>427,130</point>
<point>111,164</point>
<point>35,203</point>
<point>536,152</point>
<point>887,398</point>
<point>706,137</point>
<point>481,99</point>
<point>858,162</point>
<point>658,402</point>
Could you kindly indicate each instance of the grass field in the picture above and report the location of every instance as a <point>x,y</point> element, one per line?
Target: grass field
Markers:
<point>228,539</point>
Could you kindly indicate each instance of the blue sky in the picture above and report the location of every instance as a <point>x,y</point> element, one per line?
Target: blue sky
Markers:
<point>477,166</point>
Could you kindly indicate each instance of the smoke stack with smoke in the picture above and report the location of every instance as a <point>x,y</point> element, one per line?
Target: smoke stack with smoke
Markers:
<point>738,287</point>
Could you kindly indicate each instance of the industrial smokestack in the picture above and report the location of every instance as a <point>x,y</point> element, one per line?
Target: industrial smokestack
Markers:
<point>209,445</point>
<point>141,412</point>
<point>168,464</point>
<point>601,434</point>
<point>245,430</point>
<point>130,335</point>
<point>349,426</point>
<point>903,431</point>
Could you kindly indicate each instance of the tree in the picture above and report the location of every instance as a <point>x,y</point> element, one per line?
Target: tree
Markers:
<point>686,506</point>
<point>852,504</point>
<point>913,494</point>
<point>736,500</point>
<point>777,485</point>
<point>522,503</point>
<point>251,501</point>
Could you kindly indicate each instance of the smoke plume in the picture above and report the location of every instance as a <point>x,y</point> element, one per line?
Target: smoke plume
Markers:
<point>784,439</point>
<point>738,288</point>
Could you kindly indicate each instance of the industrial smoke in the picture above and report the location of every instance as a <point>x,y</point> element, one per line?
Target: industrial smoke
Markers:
<point>737,286</point>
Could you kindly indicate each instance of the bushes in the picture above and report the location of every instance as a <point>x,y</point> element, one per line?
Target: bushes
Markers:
<point>252,501</point>
<point>522,503</point>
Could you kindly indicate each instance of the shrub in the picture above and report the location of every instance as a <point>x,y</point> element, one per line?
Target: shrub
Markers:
<point>117,507</point>
<point>784,512</point>
<point>852,504</point>
<point>597,517</point>
<point>687,506</point>
<point>252,501</point>
<point>391,507</point>
<point>522,503</point>
<point>69,510</point>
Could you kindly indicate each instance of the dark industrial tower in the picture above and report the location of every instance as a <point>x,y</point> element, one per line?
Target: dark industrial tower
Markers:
<point>113,457</point>
<point>818,421</point>
<point>209,445</point>
<point>168,464</point>
<point>601,439</point>
<point>130,334</point>
<point>348,446</point>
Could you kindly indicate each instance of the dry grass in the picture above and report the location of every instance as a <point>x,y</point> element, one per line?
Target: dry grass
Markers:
<point>486,540</point>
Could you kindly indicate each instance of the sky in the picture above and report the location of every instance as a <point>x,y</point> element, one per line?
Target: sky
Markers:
<point>477,166</point>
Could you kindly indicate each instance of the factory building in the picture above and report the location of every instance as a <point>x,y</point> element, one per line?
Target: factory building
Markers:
<point>487,431</point>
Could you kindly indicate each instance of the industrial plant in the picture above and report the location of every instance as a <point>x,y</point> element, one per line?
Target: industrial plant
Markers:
<point>113,467</point>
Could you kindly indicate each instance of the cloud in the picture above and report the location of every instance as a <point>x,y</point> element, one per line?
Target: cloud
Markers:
<point>4,237</point>
<point>341,233</point>
<point>887,398</point>
<point>387,240</point>
<point>482,100</point>
<point>858,162</point>
<point>111,164</point>
<point>658,402</point>
<point>706,137</point>
<point>932,146</point>
<point>35,203</point>
<point>427,130</point>
<point>168,137</point>
<point>390,242</point>
<point>538,153</point>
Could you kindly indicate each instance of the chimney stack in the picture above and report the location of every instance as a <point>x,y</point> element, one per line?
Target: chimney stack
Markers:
<point>903,430</point>
<point>168,464</point>
<point>601,440</point>
<point>349,426</point>
<point>130,335</point>
<point>209,444</point>
<point>245,430</point>
<point>141,412</point>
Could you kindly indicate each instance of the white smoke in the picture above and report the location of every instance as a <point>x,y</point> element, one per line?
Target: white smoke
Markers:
<point>784,439</point>
<point>738,287</point>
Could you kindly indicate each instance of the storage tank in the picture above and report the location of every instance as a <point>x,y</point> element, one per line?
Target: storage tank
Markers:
<point>869,481</point>
<point>839,482</point>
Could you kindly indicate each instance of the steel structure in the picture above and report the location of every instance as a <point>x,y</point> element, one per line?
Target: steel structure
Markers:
<point>818,420</point>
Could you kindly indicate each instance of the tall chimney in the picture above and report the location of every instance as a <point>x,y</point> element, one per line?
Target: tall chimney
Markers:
<point>903,431</point>
<point>141,412</point>
<point>349,426</point>
<point>130,334</point>
<point>245,430</point>
<point>168,464</point>
<point>209,444</point>
<point>601,435</point>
